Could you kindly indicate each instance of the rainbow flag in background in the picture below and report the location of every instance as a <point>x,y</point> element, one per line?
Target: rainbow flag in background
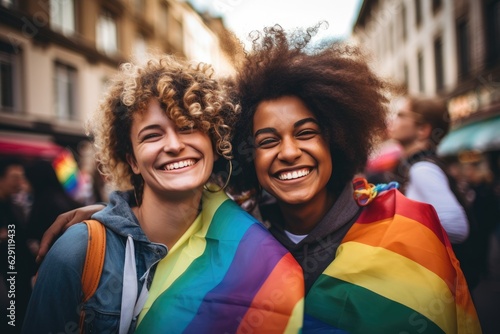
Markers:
<point>395,272</point>
<point>67,170</point>
<point>227,274</point>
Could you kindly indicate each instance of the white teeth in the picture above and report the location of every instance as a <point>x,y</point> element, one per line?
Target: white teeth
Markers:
<point>294,174</point>
<point>179,164</point>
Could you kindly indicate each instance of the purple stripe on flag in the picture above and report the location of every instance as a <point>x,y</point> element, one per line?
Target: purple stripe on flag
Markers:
<point>256,257</point>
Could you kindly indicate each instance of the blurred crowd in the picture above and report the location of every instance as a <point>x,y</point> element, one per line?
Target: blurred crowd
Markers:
<point>32,195</point>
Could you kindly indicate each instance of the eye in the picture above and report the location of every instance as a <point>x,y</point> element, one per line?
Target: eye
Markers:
<point>266,142</point>
<point>307,134</point>
<point>150,136</point>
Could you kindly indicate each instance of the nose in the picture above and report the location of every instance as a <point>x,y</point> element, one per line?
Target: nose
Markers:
<point>289,150</point>
<point>173,143</point>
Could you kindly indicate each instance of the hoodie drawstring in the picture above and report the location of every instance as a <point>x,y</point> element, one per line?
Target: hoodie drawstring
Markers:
<point>131,304</point>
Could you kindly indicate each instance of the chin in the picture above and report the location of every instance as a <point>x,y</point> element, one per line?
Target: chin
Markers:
<point>293,199</point>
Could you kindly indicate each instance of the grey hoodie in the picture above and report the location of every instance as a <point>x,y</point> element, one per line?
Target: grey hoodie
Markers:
<point>316,251</point>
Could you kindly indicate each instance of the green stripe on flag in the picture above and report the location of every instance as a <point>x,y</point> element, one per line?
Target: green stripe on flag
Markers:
<point>359,310</point>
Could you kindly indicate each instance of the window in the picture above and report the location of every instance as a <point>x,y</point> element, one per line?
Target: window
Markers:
<point>493,31</point>
<point>62,16</point>
<point>418,12</point>
<point>10,78</point>
<point>420,64</point>
<point>176,35</point>
<point>107,37</point>
<point>463,45</point>
<point>390,33</point>
<point>140,47</point>
<point>403,22</point>
<point>406,78</point>
<point>436,5</point>
<point>139,6</point>
<point>65,91</point>
<point>438,63</point>
<point>163,19</point>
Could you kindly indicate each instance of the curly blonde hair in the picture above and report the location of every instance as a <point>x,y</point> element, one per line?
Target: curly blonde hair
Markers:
<point>189,94</point>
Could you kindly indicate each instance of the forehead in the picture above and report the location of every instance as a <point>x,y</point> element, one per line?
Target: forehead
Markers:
<point>153,113</point>
<point>13,171</point>
<point>283,109</point>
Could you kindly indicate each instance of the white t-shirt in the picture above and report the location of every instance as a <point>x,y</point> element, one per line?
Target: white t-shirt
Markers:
<point>296,238</point>
<point>428,183</point>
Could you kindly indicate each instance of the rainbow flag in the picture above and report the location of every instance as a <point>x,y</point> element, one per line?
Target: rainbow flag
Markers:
<point>227,274</point>
<point>67,170</point>
<point>394,272</point>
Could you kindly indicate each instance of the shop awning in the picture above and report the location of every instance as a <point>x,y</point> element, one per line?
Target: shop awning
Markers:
<point>480,136</point>
<point>27,145</point>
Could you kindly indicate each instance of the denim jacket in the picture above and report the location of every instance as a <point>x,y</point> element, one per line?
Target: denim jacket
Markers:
<point>56,300</point>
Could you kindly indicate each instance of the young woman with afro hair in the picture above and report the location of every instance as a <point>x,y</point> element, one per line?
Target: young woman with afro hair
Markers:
<point>373,260</point>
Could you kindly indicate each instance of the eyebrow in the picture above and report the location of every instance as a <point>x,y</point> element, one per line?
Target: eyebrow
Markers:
<point>148,127</point>
<point>295,125</point>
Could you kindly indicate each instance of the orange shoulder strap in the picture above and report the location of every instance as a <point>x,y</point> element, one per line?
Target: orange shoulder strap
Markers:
<point>94,261</point>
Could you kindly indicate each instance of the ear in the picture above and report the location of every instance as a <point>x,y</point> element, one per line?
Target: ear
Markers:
<point>133,164</point>
<point>424,131</point>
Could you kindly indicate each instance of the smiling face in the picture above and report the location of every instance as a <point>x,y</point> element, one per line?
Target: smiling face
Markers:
<point>292,158</point>
<point>171,161</point>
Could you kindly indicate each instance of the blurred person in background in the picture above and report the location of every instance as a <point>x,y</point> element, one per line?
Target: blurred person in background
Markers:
<point>49,199</point>
<point>484,204</point>
<point>419,126</point>
<point>92,186</point>
<point>17,262</point>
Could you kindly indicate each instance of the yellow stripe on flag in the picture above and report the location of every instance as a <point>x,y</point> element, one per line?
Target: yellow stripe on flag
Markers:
<point>397,278</point>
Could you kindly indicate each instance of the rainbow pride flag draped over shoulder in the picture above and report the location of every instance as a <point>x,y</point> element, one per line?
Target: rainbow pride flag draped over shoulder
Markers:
<point>394,272</point>
<point>227,274</point>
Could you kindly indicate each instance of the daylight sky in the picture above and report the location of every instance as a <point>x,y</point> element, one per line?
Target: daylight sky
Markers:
<point>243,16</point>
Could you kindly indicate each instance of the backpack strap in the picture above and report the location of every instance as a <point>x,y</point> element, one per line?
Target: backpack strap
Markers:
<point>94,262</point>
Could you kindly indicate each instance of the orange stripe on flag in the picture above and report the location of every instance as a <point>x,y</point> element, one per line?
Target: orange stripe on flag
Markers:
<point>412,240</point>
<point>273,304</point>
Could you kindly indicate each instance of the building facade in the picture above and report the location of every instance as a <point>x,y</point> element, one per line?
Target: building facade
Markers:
<point>446,48</point>
<point>57,55</point>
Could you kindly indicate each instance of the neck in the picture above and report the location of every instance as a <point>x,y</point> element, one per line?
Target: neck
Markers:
<point>414,147</point>
<point>165,220</point>
<point>301,219</point>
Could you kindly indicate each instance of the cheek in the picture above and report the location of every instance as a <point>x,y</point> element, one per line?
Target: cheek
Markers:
<point>261,167</point>
<point>326,159</point>
<point>329,169</point>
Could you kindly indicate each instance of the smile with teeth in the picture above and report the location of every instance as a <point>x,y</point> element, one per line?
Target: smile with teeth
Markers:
<point>294,175</point>
<point>180,164</point>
